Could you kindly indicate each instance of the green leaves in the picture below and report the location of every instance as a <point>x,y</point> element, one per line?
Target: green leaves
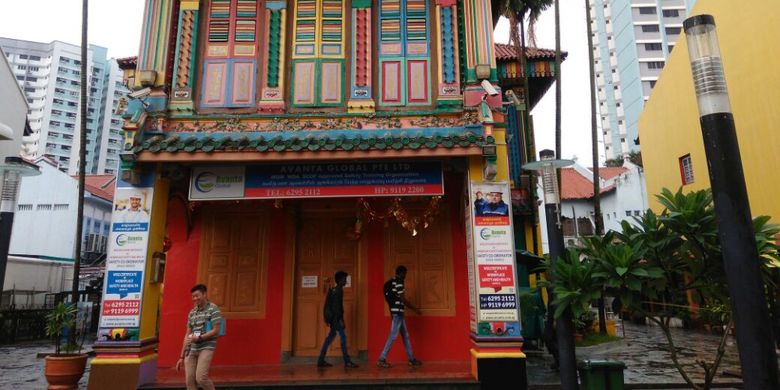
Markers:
<point>60,317</point>
<point>572,283</point>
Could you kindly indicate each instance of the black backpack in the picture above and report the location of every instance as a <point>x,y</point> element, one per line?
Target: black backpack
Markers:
<point>390,296</point>
<point>327,310</point>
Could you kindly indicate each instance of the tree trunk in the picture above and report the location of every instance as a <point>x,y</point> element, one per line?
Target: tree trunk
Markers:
<point>594,143</point>
<point>82,159</point>
<point>558,87</point>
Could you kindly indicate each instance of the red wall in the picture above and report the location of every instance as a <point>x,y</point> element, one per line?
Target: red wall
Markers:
<point>433,338</point>
<point>247,341</point>
<point>258,341</point>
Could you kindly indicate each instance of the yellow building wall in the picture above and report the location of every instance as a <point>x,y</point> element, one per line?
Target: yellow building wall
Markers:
<point>669,125</point>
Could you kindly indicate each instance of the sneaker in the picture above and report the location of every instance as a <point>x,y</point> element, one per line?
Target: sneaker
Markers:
<point>383,364</point>
<point>324,364</point>
<point>350,365</point>
<point>415,363</point>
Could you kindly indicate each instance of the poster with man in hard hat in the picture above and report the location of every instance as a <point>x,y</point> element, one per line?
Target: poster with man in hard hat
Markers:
<point>131,208</point>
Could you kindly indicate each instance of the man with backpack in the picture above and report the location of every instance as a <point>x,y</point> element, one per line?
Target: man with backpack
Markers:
<point>396,302</point>
<point>334,318</point>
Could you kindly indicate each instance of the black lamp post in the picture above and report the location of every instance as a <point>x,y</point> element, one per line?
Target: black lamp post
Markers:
<point>565,329</point>
<point>732,209</point>
<point>11,172</point>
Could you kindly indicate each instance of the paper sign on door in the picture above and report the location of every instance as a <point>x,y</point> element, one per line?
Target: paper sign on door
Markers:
<point>309,281</point>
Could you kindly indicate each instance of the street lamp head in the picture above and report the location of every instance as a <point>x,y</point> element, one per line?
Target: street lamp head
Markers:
<point>709,79</point>
<point>548,165</point>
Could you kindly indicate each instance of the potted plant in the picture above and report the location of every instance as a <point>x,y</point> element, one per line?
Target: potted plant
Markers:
<point>66,366</point>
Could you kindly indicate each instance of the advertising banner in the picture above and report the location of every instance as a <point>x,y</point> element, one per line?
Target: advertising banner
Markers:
<point>492,243</point>
<point>125,264</point>
<point>317,180</point>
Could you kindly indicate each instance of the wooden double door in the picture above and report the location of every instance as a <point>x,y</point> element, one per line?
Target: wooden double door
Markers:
<point>322,248</point>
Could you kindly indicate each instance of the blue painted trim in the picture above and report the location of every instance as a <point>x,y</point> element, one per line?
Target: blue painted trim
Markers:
<point>276,5</point>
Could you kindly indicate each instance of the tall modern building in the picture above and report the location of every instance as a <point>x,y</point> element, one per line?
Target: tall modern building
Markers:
<point>50,75</point>
<point>631,41</point>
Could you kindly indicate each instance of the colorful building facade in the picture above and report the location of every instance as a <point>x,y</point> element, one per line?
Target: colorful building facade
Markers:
<point>672,145</point>
<point>270,143</point>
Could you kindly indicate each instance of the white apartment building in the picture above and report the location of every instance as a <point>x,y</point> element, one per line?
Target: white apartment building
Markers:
<point>631,41</point>
<point>50,76</point>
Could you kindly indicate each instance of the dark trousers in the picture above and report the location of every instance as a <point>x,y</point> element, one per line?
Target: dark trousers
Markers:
<point>329,339</point>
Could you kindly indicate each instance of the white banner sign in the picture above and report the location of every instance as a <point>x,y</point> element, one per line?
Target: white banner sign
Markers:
<point>493,267</point>
<point>126,261</point>
<point>217,183</point>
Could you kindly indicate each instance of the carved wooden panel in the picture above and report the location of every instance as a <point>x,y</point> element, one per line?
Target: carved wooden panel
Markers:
<point>233,262</point>
<point>428,259</point>
<point>322,249</point>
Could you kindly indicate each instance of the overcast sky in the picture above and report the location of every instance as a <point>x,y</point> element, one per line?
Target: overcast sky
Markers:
<point>117,25</point>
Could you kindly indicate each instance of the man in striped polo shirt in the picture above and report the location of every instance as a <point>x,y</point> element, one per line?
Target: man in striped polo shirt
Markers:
<point>203,327</point>
<point>396,301</point>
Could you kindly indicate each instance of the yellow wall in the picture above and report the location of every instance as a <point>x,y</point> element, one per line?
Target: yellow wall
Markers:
<point>669,125</point>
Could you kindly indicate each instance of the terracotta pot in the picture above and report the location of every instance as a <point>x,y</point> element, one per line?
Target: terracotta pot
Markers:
<point>64,371</point>
<point>578,337</point>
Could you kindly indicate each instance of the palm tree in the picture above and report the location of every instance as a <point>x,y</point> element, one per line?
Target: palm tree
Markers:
<point>82,158</point>
<point>516,11</point>
<point>595,154</point>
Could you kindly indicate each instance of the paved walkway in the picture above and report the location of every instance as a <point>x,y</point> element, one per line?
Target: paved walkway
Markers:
<point>20,368</point>
<point>643,351</point>
<point>647,358</point>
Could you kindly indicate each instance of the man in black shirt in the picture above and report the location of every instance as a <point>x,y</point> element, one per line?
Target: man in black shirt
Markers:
<point>397,301</point>
<point>334,318</point>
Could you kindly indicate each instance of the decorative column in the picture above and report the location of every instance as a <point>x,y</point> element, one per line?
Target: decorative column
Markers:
<point>272,66</point>
<point>184,67</point>
<point>153,53</point>
<point>125,352</point>
<point>360,92</point>
<point>480,53</point>
<point>447,52</point>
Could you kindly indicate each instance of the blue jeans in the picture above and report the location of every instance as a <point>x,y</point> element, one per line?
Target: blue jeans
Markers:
<point>329,339</point>
<point>398,325</point>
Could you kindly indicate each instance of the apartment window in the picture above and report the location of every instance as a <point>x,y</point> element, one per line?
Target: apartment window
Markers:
<point>686,169</point>
<point>671,13</point>
<point>647,10</point>
<point>33,68</point>
<point>77,62</point>
<point>653,46</point>
<point>24,207</point>
<point>614,214</point>
<point>35,58</point>
<point>655,65</point>
<point>628,213</point>
<point>670,48</point>
<point>673,30</point>
<point>636,213</point>
<point>652,83</point>
<point>44,207</point>
<point>20,77</point>
<point>21,67</point>
<point>29,89</point>
<point>60,206</point>
<point>22,56</point>
<point>650,28</point>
